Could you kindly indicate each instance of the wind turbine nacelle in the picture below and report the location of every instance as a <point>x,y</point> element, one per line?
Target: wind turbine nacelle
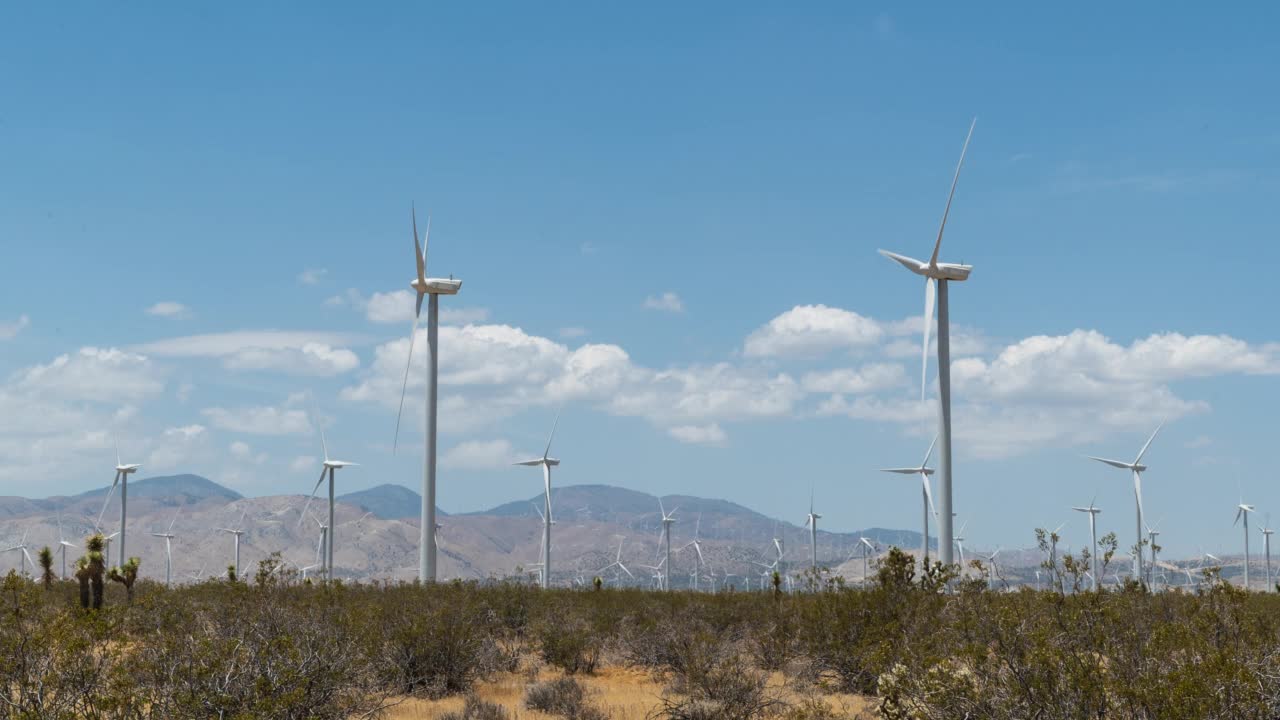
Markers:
<point>952,271</point>
<point>438,286</point>
<point>1139,468</point>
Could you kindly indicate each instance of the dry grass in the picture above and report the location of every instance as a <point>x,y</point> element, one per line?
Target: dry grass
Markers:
<point>623,693</point>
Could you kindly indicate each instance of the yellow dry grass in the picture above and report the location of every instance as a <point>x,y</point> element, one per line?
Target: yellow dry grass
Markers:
<point>623,693</point>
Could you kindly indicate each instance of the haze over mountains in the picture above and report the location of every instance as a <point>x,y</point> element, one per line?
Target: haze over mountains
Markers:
<point>376,532</point>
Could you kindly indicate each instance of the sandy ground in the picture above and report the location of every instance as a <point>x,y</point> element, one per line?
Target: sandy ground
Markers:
<point>624,693</point>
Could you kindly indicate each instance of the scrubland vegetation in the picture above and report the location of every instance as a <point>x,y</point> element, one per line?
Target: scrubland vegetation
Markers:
<point>275,647</point>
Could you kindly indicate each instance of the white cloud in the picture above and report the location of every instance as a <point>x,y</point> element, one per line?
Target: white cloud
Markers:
<point>259,420</point>
<point>569,333</point>
<point>666,302</point>
<point>10,330</point>
<point>176,447</point>
<point>104,375</point>
<point>479,455</point>
<point>395,307</point>
<point>169,309</point>
<point>872,377</point>
<point>812,330</point>
<point>310,359</point>
<point>287,351</point>
<point>699,434</point>
<point>304,463</point>
<point>240,449</point>
<point>312,276</point>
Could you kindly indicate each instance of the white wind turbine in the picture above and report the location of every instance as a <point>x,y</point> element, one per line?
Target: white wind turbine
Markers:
<point>23,556</point>
<point>329,468</point>
<point>960,546</point>
<point>1242,513</point>
<point>1136,467</point>
<point>812,521</point>
<point>63,545</point>
<point>320,544</point>
<point>1266,548</point>
<point>1153,532</point>
<point>867,548</point>
<point>123,471</point>
<point>617,563</point>
<point>937,277</point>
<point>697,546</point>
<point>168,550</point>
<point>547,462</point>
<point>236,532</point>
<point>926,499</point>
<point>433,287</point>
<point>106,550</point>
<point>668,519</point>
<point>991,569</point>
<point>1093,537</point>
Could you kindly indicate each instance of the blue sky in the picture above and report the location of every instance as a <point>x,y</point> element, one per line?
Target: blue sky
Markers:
<point>245,173</point>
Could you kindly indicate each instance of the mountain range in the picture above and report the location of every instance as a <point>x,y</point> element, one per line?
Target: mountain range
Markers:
<point>376,533</point>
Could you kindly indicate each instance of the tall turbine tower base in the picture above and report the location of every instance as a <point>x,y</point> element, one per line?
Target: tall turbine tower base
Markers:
<point>427,543</point>
<point>945,535</point>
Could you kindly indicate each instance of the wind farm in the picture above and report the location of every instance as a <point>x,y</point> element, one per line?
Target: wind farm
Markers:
<point>674,225</point>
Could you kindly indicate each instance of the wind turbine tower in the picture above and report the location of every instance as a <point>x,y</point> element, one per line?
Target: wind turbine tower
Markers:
<point>668,519</point>
<point>926,499</point>
<point>1266,549</point>
<point>329,468</point>
<point>812,522</point>
<point>123,472</point>
<point>1093,537</point>
<point>937,276</point>
<point>433,287</point>
<point>168,551</point>
<point>62,547</point>
<point>547,462</point>
<point>1136,468</point>
<point>236,533</point>
<point>1242,513</point>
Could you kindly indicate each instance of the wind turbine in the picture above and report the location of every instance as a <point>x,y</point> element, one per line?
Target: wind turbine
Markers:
<point>1136,467</point>
<point>960,546</point>
<point>866,547</point>
<point>434,287</point>
<point>1093,537</point>
<point>547,462</point>
<point>697,546</point>
<point>1242,512</point>
<point>1053,547</point>
<point>812,521</point>
<point>937,277</point>
<point>617,563</point>
<point>63,545</point>
<point>320,544</point>
<point>23,555</point>
<point>1266,548</point>
<point>195,576</point>
<point>991,571</point>
<point>168,555</point>
<point>106,549</point>
<point>668,519</point>
<point>123,472</point>
<point>330,468</point>
<point>236,533</point>
<point>924,471</point>
<point>1152,534</point>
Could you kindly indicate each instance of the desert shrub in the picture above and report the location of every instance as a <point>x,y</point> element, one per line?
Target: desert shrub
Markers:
<point>570,645</point>
<point>564,697</point>
<point>438,649</point>
<point>477,709</point>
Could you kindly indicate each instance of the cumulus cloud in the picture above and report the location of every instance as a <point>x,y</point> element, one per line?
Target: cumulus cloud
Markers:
<point>397,306</point>
<point>666,302</point>
<point>106,375</point>
<point>259,420</point>
<point>699,434</point>
<point>808,330</point>
<point>10,330</point>
<point>285,351</point>
<point>169,309</point>
<point>304,463</point>
<point>872,377</point>
<point>176,446</point>
<point>479,455</point>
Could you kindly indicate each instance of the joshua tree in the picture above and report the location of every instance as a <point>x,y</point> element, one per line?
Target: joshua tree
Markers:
<point>82,576</point>
<point>231,573</point>
<point>597,583</point>
<point>45,557</point>
<point>97,567</point>
<point>777,583</point>
<point>126,575</point>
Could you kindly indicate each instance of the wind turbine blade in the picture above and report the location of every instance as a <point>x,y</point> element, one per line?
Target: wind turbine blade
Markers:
<point>930,453</point>
<point>928,494</point>
<point>1112,463</point>
<point>933,260</point>
<point>547,453</point>
<point>1137,491</point>
<point>108,502</point>
<point>117,444</point>
<point>929,290</point>
<point>1239,512</point>
<point>1143,451</point>
<point>418,255</point>
<point>314,490</point>
<point>174,520</point>
<point>324,446</point>
<point>413,333</point>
